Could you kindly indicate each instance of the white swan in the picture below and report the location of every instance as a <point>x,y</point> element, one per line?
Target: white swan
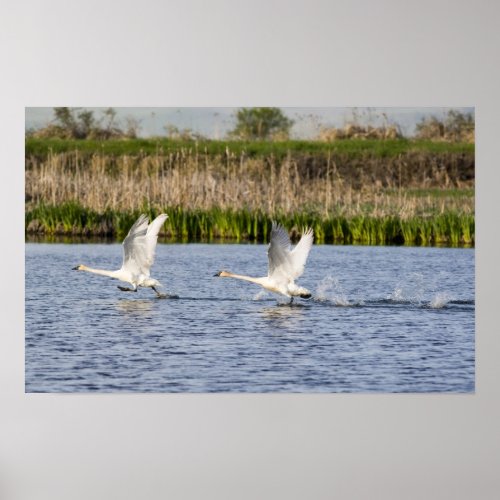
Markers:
<point>138,256</point>
<point>285,264</point>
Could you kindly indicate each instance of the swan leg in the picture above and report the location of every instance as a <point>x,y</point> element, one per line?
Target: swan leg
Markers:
<point>158,294</point>
<point>291,299</point>
<point>125,289</point>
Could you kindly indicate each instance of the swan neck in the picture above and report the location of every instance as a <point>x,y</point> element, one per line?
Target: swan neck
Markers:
<point>102,272</point>
<point>241,277</point>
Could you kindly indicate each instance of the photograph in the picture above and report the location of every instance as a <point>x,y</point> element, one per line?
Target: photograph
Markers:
<point>257,255</point>
<point>249,250</point>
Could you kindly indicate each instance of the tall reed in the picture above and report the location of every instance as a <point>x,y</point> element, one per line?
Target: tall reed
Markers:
<point>242,225</point>
<point>193,181</point>
<point>411,199</point>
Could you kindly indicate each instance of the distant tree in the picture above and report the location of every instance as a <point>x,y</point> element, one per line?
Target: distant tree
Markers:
<point>65,120</point>
<point>459,126</point>
<point>73,125</point>
<point>86,123</point>
<point>132,127</point>
<point>110,115</point>
<point>261,123</point>
<point>456,126</point>
<point>65,117</point>
<point>80,123</point>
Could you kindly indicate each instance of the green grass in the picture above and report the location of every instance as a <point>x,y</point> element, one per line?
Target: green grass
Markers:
<point>354,147</point>
<point>435,193</point>
<point>448,228</point>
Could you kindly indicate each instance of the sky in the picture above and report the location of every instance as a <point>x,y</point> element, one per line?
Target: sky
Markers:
<point>215,123</point>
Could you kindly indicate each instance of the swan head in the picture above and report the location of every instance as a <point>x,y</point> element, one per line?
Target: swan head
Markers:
<point>222,274</point>
<point>79,267</point>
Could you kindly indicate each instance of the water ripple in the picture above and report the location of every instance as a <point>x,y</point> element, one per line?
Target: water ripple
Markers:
<point>381,319</point>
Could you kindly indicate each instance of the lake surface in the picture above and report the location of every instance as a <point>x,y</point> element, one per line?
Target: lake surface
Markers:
<point>382,319</point>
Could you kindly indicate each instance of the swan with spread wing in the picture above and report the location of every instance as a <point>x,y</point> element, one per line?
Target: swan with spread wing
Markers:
<point>138,256</point>
<point>286,264</point>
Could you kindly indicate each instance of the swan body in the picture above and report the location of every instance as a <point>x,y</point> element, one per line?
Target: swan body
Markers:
<point>286,264</point>
<point>138,256</point>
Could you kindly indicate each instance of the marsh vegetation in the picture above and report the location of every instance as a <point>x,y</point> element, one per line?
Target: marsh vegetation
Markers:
<point>357,191</point>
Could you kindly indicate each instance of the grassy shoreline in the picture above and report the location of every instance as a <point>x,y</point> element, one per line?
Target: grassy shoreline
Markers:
<point>355,191</point>
<point>41,148</point>
<point>71,219</point>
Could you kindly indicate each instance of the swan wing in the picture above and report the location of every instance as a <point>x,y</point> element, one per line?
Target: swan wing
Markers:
<point>299,254</point>
<point>140,244</point>
<point>133,245</point>
<point>151,240</point>
<point>279,254</point>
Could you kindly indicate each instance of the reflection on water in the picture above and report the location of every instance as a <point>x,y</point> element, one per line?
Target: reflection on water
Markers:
<point>382,319</point>
<point>133,307</point>
<point>283,316</point>
<point>67,239</point>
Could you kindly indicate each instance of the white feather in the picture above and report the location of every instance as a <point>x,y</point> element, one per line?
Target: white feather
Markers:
<point>287,264</point>
<point>138,255</point>
<point>140,244</point>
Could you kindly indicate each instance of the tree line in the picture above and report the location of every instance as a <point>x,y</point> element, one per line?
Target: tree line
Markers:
<point>253,124</point>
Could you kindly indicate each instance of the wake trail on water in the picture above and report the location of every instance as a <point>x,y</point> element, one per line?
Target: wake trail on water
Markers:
<point>168,296</point>
<point>412,290</point>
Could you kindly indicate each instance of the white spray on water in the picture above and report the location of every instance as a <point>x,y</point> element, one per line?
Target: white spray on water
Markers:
<point>440,300</point>
<point>413,288</point>
<point>329,289</point>
<point>410,289</point>
<point>260,295</point>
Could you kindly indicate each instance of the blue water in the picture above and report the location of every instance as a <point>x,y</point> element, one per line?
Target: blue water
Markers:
<point>382,319</point>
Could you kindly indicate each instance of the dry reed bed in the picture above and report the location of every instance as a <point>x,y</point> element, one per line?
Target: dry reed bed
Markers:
<point>378,188</point>
<point>413,199</point>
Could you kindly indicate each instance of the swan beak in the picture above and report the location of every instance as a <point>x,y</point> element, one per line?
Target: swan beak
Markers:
<point>217,274</point>
<point>75,268</point>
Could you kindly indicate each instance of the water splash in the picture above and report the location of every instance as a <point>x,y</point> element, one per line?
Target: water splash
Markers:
<point>411,289</point>
<point>260,295</point>
<point>440,300</point>
<point>330,290</point>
